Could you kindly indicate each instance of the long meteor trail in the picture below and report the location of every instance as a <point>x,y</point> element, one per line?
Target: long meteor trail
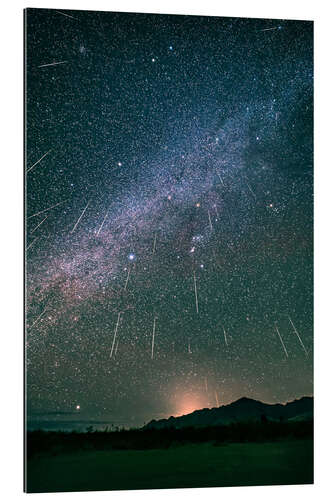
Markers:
<point>153,339</point>
<point>52,64</point>
<point>77,222</point>
<point>39,224</point>
<point>206,384</point>
<point>37,319</point>
<point>284,347</point>
<point>298,336</point>
<point>102,224</point>
<point>30,244</point>
<point>40,159</point>
<point>46,209</point>
<point>115,334</point>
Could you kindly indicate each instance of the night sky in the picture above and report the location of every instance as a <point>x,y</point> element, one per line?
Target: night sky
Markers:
<point>169,213</point>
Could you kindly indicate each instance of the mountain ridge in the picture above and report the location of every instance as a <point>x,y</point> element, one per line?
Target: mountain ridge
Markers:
<point>243,409</point>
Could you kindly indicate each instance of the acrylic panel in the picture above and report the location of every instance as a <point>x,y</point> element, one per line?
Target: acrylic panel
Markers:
<point>168,251</point>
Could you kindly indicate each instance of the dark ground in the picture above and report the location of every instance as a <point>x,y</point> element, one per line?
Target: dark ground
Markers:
<point>279,453</point>
<point>188,466</point>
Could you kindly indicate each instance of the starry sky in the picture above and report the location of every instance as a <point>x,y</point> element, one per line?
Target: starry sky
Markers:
<point>169,213</point>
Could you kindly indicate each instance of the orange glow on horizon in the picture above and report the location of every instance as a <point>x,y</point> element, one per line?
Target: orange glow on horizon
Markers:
<point>187,403</point>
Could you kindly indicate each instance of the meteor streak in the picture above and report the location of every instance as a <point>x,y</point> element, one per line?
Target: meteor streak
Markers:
<point>115,352</point>
<point>129,270</point>
<point>30,244</point>
<point>154,246</point>
<point>52,64</point>
<point>225,337</point>
<point>46,209</point>
<point>77,222</point>
<point>219,176</point>
<point>284,347</point>
<point>195,292</point>
<point>115,334</point>
<point>250,189</point>
<point>67,15</point>
<point>153,339</point>
<point>102,224</point>
<point>39,224</point>
<point>40,159</point>
<point>37,319</point>
<point>298,336</point>
<point>270,29</point>
<point>210,221</point>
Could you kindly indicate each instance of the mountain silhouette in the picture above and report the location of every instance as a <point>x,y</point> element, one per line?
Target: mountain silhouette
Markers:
<point>242,410</point>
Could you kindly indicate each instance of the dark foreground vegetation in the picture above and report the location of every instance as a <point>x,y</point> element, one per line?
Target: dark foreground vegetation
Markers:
<point>253,453</point>
<point>140,439</point>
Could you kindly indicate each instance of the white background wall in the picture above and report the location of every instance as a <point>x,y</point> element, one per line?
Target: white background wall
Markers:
<point>11,236</point>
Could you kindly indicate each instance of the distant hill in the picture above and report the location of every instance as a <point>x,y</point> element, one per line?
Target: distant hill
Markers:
<point>243,409</point>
